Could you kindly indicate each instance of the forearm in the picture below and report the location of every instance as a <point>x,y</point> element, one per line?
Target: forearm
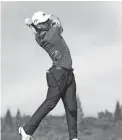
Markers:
<point>40,37</point>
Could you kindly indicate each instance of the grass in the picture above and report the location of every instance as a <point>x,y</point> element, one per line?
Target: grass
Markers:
<point>92,134</point>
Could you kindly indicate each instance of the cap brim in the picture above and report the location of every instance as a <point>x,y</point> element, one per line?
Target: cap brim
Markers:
<point>44,19</point>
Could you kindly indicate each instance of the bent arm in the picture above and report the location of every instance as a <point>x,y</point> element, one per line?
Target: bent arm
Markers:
<point>55,31</point>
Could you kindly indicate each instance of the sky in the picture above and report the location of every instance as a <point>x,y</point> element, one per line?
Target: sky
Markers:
<point>93,32</point>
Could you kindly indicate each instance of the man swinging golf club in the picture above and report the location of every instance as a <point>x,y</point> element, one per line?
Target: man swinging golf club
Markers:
<point>60,77</point>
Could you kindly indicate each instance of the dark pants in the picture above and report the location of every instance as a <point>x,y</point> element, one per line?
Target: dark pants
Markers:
<point>61,85</point>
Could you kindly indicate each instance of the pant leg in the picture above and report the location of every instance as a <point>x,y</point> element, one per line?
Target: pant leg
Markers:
<point>70,105</point>
<point>50,102</point>
<point>54,78</point>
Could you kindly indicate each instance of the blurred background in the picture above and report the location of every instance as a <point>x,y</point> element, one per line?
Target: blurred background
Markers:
<point>93,32</point>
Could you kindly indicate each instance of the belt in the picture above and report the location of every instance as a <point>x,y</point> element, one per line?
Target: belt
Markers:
<point>62,68</point>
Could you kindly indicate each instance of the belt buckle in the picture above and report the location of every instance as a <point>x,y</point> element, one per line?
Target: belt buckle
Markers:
<point>58,68</point>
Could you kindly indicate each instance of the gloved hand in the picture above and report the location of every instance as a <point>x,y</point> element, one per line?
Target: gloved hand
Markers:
<point>28,22</point>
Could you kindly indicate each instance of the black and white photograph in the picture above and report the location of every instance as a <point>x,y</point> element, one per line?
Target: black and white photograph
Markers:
<point>61,70</point>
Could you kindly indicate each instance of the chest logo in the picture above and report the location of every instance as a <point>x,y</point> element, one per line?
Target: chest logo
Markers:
<point>56,55</point>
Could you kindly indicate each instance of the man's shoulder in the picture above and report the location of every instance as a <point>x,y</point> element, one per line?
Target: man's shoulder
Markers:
<point>55,20</point>
<point>54,17</point>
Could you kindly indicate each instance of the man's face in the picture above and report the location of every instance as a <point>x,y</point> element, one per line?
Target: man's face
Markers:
<point>43,26</point>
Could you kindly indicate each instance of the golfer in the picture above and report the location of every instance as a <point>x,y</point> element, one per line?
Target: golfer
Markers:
<point>60,77</point>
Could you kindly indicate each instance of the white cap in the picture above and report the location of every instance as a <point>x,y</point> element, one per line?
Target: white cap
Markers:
<point>39,17</point>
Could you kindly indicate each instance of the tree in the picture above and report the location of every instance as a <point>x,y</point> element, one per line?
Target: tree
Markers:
<point>8,121</point>
<point>80,121</point>
<point>18,118</point>
<point>101,115</point>
<point>121,109</point>
<point>118,115</point>
<point>108,115</point>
